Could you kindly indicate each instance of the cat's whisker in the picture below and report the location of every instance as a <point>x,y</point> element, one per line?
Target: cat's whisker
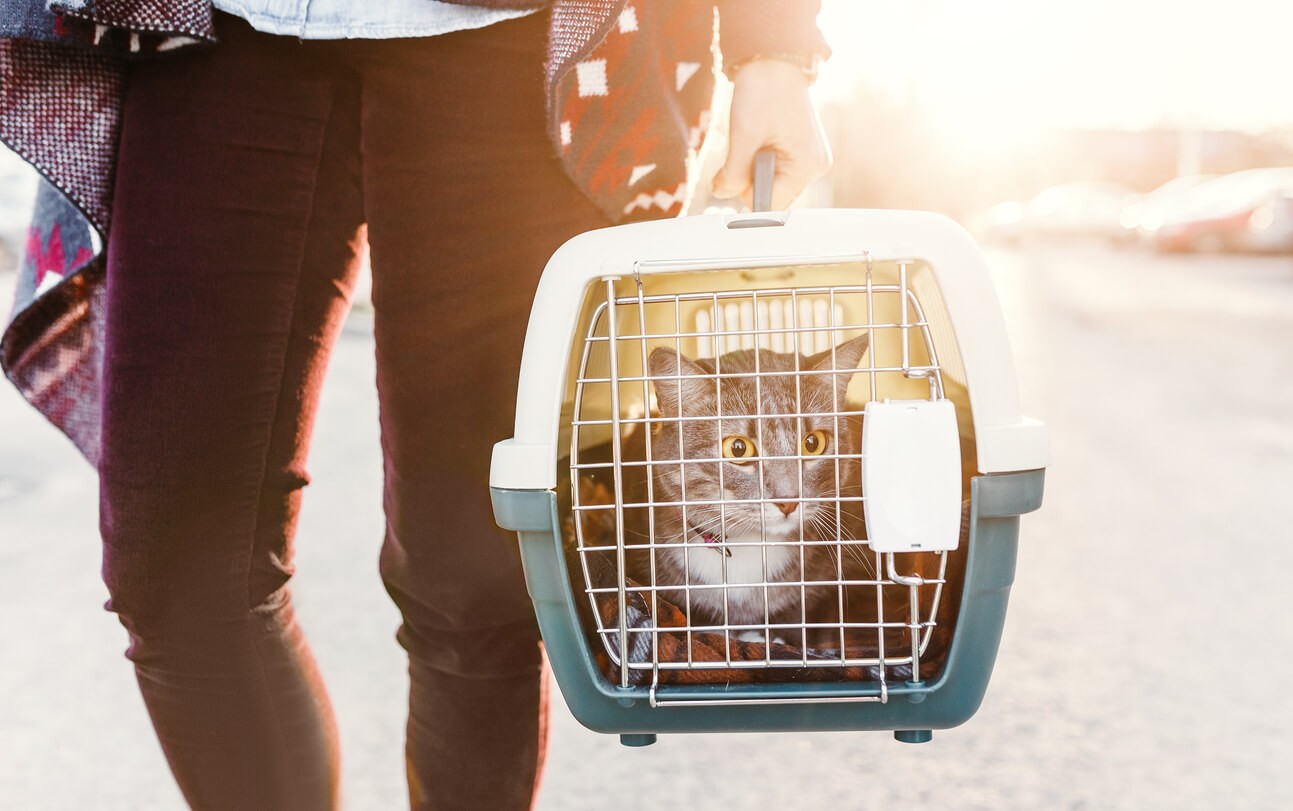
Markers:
<point>715,522</point>
<point>865,561</point>
<point>826,523</point>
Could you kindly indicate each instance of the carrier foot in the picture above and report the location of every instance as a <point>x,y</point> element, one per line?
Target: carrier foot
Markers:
<point>637,740</point>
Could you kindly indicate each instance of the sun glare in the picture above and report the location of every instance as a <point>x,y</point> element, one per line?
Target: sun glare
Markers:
<point>990,71</point>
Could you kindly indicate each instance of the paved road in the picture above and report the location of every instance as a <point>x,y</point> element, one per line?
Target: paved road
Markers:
<point>1146,659</point>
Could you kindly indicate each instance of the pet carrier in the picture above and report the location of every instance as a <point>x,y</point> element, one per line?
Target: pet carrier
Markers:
<point>767,471</point>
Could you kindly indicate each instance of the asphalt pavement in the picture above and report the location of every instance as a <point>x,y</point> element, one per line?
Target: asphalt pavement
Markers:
<point>1146,655</point>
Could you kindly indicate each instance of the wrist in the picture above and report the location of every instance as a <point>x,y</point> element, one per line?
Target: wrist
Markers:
<point>806,64</point>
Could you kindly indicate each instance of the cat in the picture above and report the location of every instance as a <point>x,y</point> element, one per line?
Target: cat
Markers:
<point>736,543</point>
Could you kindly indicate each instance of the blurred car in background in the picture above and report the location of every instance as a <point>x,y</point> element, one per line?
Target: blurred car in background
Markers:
<point>1143,215</point>
<point>1078,209</point>
<point>17,192</point>
<point>1248,211</point>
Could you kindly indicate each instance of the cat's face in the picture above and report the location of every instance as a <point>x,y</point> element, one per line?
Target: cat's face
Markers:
<point>766,446</point>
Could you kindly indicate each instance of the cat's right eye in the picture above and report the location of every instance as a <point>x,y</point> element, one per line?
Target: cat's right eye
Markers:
<point>739,449</point>
<point>814,443</point>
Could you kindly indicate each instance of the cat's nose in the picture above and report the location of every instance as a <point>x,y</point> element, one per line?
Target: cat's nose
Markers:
<point>786,507</point>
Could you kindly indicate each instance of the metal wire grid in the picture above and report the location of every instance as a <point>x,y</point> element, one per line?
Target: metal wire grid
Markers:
<point>790,319</point>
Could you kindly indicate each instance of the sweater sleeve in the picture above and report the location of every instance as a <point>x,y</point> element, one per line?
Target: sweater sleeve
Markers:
<point>752,28</point>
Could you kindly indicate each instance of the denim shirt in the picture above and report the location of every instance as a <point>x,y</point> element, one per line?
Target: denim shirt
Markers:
<point>357,19</point>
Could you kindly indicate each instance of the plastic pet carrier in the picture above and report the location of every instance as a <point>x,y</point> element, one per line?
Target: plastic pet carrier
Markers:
<point>767,472</point>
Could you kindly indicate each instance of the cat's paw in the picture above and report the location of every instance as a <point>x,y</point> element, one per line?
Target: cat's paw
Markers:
<point>760,637</point>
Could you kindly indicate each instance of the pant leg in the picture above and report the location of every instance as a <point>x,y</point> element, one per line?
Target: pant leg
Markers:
<point>230,270</point>
<point>466,201</point>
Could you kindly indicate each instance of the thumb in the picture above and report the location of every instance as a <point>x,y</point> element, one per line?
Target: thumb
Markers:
<point>736,176</point>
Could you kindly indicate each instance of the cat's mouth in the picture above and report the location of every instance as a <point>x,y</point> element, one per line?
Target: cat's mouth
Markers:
<point>784,528</point>
<point>711,537</point>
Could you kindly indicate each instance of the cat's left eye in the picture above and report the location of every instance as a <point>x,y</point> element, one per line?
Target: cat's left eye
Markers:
<point>814,444</point>
<point>739,449</point>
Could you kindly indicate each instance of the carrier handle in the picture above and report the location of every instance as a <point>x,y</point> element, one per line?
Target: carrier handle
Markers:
<point>765,171</point>
<point>760,216</point>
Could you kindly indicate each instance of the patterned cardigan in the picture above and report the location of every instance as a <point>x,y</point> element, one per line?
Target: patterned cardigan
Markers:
<point>628,84</point>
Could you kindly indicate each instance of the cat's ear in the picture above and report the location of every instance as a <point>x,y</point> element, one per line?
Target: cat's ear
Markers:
<point>844,359</point>
<point>677,379</point>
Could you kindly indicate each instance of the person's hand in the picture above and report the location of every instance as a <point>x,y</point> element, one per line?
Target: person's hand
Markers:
<point>771,108</point>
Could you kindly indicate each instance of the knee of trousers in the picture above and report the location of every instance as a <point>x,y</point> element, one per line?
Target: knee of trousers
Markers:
<point>173,561</point>
<point>478,624</point>
<point>164,594</point>
<point>497,652</point>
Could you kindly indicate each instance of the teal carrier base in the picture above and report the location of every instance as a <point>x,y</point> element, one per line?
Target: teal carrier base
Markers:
<point>911,709</point>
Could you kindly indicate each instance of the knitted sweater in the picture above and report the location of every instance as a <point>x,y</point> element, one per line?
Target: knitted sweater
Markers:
<point>628,85</point>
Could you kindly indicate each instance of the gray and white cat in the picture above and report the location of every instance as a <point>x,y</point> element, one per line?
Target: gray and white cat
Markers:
<point>751,531</point>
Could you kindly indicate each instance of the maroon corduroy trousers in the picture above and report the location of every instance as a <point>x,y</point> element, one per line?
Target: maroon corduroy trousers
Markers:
<point>245,172</point>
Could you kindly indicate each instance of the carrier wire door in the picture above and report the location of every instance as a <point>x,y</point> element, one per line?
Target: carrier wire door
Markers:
<point>802,322</point>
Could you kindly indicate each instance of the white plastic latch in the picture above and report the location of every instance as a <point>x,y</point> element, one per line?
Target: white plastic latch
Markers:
<point>911,475</point>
